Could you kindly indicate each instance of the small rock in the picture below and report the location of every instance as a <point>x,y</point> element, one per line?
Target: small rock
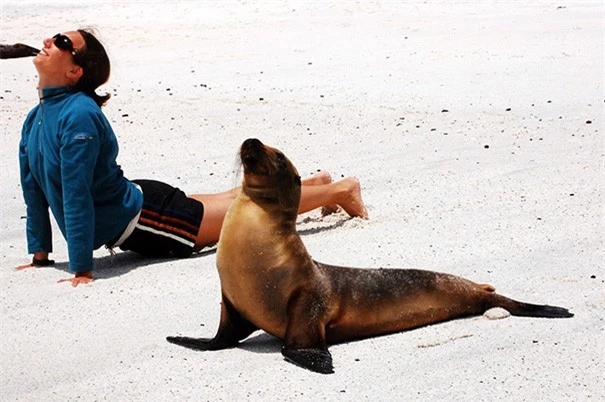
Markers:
<point>496,313</point>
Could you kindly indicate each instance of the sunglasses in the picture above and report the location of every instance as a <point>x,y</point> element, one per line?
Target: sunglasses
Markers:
<point>64,43</point>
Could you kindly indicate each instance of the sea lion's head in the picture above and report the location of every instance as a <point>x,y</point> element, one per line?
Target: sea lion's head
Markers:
<point>269,176</point>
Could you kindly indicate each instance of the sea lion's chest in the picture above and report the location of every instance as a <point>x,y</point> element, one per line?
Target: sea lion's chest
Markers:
<point>260,274</point>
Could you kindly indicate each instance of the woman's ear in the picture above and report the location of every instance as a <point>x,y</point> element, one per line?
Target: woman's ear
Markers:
<point>75,73</point>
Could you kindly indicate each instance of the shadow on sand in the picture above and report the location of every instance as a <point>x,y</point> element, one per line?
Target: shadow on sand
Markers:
<point>261,342</point>
<point>122,262</point>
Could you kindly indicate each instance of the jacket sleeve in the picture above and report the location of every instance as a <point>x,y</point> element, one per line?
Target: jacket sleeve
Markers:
<point>81,134</point>
<point>38,229</point>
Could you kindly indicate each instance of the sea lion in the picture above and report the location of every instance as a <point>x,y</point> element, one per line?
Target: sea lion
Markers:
<point>17,50</point>
<point>270,282</point>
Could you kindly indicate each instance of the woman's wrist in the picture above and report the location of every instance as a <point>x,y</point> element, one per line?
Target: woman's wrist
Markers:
<point>41,255</point>
<point>42,262</point>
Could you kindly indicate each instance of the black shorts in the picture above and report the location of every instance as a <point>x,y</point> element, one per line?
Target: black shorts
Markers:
<point>169,222</point>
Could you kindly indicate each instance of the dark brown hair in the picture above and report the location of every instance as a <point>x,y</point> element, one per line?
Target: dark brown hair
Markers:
<point>96,67</point>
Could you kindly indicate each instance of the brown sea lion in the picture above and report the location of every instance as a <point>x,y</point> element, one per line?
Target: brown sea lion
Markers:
<point>270,282</point>
<point>17,50</point>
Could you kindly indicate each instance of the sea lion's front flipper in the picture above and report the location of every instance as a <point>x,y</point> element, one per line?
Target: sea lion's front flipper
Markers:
<point>232,329</point>
<point>194,343</point>
<point>305,339</point>
<point>314,359</point>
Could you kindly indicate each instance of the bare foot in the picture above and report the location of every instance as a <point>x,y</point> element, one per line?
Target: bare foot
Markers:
<point>352,202</point>
<point>329,210</point>
<point>321,177</point>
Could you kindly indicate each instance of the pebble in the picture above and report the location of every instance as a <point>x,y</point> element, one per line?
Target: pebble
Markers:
<point>496,313</point>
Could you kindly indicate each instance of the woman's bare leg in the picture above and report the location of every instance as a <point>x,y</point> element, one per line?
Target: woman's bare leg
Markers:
<point>345,192</point>
<point>215,209</point>
<point>321,177</point>
<point>315,193</point>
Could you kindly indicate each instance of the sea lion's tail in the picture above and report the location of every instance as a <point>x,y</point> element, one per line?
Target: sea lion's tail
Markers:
<point>518,308</point>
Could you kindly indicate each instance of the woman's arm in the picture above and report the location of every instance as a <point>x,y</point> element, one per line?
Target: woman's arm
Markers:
<point>79,150</point>
<point>38,229</point>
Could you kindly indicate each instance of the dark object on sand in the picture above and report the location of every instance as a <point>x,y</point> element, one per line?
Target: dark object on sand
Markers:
<point>17,50</point>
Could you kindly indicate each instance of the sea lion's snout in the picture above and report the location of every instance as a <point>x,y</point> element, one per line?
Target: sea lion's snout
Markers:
<point>260,160</point>
<point>252,143</point>
<point>252,153</point>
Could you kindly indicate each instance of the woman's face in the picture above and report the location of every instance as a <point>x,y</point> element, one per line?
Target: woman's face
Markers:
<point>55,64</point>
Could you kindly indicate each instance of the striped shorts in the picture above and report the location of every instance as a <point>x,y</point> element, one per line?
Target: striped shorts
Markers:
<point>168,224</point>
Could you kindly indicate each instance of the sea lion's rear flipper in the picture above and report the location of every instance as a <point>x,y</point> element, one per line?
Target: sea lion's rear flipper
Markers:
<point>523,309</point>
<point>232,329</point>
<point>314,359</point>
<point>305,338</point>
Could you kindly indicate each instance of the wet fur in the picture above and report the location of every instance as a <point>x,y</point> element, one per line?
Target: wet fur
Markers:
<point>270,282</point>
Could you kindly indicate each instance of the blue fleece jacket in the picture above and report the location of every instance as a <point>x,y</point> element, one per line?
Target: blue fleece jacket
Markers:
<point>67,156</point>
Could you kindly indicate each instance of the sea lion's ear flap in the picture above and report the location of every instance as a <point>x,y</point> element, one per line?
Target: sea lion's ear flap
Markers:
<point>297,180</point>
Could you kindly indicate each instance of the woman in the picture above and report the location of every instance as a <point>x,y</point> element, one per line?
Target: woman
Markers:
<point>68,163</point>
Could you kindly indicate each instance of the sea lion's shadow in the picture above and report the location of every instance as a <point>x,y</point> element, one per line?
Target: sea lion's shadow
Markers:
<point>122,262</point>
<point>312,231</point>
<point>261,342</point>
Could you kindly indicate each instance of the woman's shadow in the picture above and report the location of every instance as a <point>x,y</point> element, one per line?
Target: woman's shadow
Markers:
<point>122,262</point>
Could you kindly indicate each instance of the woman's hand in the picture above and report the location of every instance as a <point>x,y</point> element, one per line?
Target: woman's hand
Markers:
<point>40,260</point>
<point>80,277</point>
<point>24,266</point>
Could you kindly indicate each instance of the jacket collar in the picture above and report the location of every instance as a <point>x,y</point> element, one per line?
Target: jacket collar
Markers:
<point>53,92</point>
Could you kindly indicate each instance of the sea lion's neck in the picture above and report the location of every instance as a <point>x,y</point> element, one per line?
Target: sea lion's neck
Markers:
<point>261,193</point>
<point>270,199</point>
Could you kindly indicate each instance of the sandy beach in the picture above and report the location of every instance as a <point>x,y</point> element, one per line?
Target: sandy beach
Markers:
<point>475,128</point>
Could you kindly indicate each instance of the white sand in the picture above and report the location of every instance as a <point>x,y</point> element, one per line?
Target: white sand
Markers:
<point>357,89</point>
